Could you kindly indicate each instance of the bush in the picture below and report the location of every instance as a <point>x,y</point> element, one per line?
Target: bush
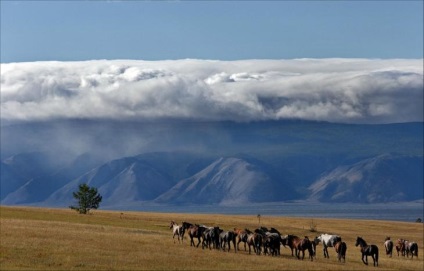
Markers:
<point>313,226</point>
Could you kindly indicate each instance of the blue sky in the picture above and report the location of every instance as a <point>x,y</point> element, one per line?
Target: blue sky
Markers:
<point>222,30</point>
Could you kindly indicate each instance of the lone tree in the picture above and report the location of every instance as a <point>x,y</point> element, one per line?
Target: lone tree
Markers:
<point>88,198</point>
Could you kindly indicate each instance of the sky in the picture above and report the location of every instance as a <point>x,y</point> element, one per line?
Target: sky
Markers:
<point>219,30</point>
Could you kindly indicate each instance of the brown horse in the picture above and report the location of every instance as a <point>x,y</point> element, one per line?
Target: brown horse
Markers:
<point>241,237</point>
<point>302,245</point>
<point>288,241</point>
<point>341,248</point>
<point>400,247</point>
<point>195,231</point>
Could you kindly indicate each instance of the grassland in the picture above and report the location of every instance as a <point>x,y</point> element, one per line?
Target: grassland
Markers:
<point>61,239</point>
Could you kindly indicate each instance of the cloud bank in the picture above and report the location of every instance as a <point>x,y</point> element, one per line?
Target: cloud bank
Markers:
<point>334,90</point>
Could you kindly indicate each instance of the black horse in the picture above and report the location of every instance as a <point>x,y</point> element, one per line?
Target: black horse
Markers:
<point>185,226</point>
<point>227,237</point>
<point>211,237</point>
<point>367,250</point>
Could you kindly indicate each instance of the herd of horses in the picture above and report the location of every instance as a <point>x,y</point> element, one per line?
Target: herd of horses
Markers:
<point>403,247</point>
<point>268,242</point>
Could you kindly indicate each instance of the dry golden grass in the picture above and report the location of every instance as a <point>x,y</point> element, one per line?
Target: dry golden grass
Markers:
<point>61,239</point>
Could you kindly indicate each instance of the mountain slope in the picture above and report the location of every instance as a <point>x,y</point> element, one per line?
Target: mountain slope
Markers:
<point>383,178</point>
<point>228,181</point>
<point>119,181</point>
<point>37,185</point>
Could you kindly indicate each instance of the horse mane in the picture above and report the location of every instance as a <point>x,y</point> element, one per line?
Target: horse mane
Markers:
<point>275,230</point>
<point>360,238</point>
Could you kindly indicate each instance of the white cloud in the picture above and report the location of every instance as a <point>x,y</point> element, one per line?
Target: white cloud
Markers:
<point>336,90</point>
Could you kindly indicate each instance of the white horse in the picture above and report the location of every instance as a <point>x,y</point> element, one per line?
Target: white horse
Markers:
<point>177,230</point>
<point>327,240</point>
<point>411,248</point>
<point>388,245</point>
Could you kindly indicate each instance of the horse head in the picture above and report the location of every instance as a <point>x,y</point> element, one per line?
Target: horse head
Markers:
<point>274,230</point>
<point>360,242</point>
<point>186,225</point>
<point>172,224</point>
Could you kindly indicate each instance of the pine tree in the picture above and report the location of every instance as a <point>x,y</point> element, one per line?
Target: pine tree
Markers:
<point>88,198</point>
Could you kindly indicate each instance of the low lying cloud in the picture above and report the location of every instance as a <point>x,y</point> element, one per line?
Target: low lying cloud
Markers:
<point>335,90</point>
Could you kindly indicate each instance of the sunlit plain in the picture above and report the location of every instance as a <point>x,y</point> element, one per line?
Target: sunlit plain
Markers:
<point>53,239</point>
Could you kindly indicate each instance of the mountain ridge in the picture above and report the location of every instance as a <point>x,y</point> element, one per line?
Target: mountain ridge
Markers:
<point>143,162</point>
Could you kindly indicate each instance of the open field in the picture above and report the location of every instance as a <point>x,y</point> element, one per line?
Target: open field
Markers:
<point>61,239</point>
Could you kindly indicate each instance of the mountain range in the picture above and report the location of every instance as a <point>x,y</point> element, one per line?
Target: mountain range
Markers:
<point>212,163</point>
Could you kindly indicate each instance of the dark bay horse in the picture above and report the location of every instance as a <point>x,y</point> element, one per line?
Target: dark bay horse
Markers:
<point>195,231</point>
<point>287,240</point>
<point>302,245</point>
<point>341,248</point>
<point>388,245</point>
<point>367,250</point>
<point>400,247</point>
<point>299,245</point>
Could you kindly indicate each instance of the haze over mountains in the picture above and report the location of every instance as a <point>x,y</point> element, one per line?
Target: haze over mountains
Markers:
<point>212,132</point>
<point>225,163</point>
